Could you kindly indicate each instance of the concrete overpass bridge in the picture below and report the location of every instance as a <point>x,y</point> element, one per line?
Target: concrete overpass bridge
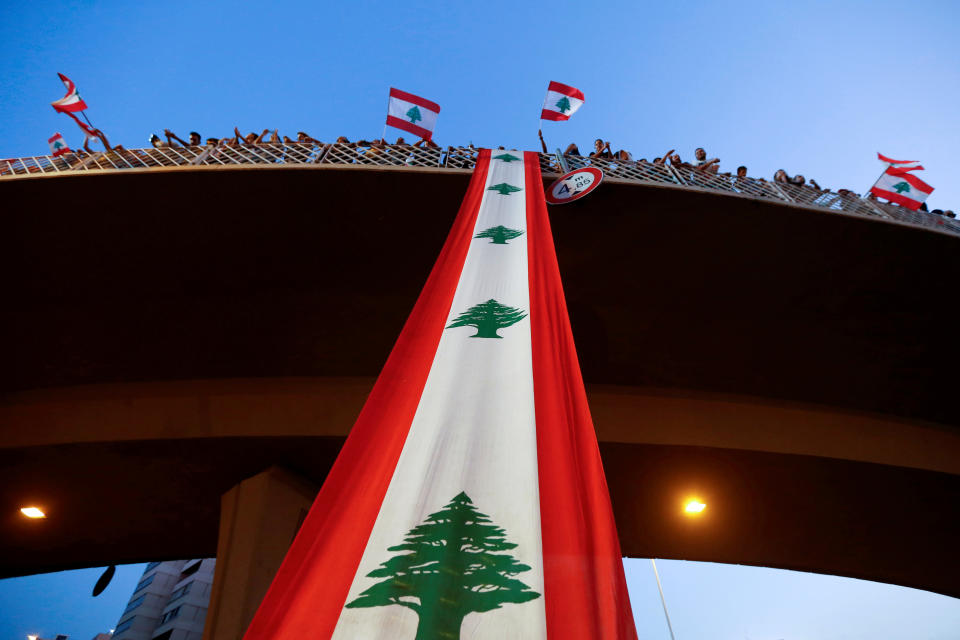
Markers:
<point>171,330</point>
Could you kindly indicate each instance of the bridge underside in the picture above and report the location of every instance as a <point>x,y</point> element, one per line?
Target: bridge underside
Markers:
<point>831,447</point>
<point>133,501</point>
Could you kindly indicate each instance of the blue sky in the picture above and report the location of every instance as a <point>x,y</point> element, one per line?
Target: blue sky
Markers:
<point>815,88</point>
<point>705,600</point>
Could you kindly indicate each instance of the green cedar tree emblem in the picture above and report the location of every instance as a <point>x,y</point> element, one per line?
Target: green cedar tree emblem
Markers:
<point>414,114</point>
<point>499,234</point>
<point>900,187</point>
<point>504,188</point>
<point>487,317</point>
<point>451,568</point>
<point>506,157</point>
<point>563,104</point>
<point>58,145</point>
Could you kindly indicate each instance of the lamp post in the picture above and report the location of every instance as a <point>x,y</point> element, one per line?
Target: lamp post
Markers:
<point>662,599</point>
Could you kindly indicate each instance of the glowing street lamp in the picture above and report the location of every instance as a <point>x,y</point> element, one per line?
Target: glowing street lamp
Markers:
<point>694,507</point>
<point>33,512</point>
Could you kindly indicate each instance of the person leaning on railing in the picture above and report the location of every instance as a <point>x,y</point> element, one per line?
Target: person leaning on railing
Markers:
<point>157,143</point>
<point>171,136</point>
<point>677,163</point>
<point>742,181</point>
<point>601,149</point>
<point>662,160</point>
<point>702,164</point>
<point>250,138</point>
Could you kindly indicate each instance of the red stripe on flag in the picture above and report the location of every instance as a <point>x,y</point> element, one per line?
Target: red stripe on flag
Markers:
<point>567,90</point>
<point>399,123</point>
<point>546,114</point>
<point>585,590</point>
<point>909,178</point>
<point>417,100</point>
<point>892,161</point>
<point>903,201</point>
<point>309,591</point>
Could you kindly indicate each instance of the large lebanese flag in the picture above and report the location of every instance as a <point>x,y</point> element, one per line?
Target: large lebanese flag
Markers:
<point>412,113</point>
<point>469,500</point>
<point>902,187</point>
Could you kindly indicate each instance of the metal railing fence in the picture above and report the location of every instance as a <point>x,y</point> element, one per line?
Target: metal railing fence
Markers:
<point>465,158</point>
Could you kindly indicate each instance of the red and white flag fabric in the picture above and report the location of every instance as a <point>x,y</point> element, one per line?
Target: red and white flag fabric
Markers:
<point>88,131</point>
<point>902,187</point>
<point>70,102</point>
<point>562,101</point>
<point>469,501</point>
<point>412,113</point>
<point>909,165</point>
<point>58,145</point>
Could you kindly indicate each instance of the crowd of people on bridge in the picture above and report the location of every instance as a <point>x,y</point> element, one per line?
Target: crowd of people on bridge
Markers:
<point>710,167</point>
<point>701,169</point>
<point>252,138</point>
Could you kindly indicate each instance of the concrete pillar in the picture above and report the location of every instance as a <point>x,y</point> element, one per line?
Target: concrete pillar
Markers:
<point>258,521</point>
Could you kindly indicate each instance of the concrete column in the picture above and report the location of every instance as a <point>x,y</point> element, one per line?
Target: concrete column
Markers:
<point>258,521</point>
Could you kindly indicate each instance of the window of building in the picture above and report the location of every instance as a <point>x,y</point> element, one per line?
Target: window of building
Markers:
<point>123,626</point>
<point>151,567</point>
<point>146,581</point>
<point>133,604</point>
<point>169,615</point>
<point>182,591</point>
<point>190,570</point>
<point>164,636</point>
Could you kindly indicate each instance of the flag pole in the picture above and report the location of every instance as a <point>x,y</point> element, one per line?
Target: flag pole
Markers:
<point>880,176</point>
<point>662,599</point>
<point>83,112</point>
<point>383,136</point>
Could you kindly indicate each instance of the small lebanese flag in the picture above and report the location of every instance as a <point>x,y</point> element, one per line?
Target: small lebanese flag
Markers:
<point>469,501</point>
<point>902,187</point>
<point>909,165</point>
<point>70,102</point>
<point>561,102</point>
<point>57,145</point>
<point>412,113</point>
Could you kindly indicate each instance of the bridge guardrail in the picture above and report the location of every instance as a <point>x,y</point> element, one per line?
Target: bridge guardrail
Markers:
<point>464,158</point>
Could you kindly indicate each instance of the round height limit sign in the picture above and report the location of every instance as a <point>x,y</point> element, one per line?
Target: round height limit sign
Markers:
<point>574,185</point>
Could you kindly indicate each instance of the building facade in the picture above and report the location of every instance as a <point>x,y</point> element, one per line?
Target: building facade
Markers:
<point>169,603</point>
